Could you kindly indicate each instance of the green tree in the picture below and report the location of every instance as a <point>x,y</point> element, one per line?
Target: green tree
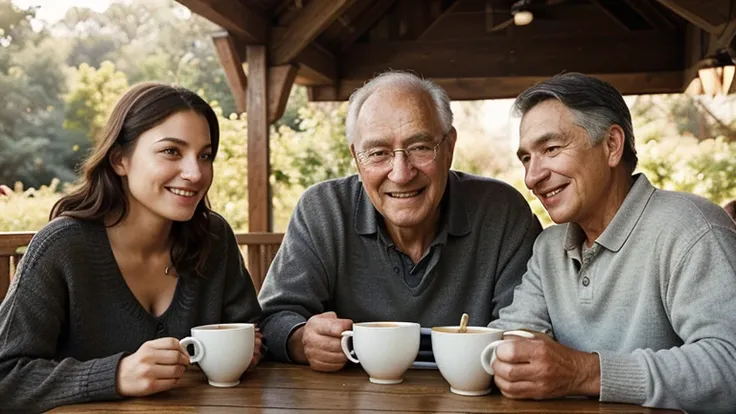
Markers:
<point>150,40</point>
<point>34,147</point>
<point>662,116</point>
<point>706,168</point>
<point>229,192</point>
<point>477,150</point>
<point>93,94</point>
<point>316,151</point>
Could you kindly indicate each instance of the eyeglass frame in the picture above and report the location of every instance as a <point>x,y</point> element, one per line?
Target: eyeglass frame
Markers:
<point>359,155</point>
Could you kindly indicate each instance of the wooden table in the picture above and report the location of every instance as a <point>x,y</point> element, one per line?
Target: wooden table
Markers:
<point>273,387</point>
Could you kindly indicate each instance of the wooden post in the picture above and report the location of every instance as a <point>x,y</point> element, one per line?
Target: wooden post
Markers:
<point>4,275</point>
<point>259,191</point>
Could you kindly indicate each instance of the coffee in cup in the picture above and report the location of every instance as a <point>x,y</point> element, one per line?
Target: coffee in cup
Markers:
<point>385,350</point>
<point>457,355</point>
<point>223,351</point>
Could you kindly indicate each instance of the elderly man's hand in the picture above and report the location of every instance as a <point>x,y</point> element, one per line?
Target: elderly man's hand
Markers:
<point>541,368</point>
<point>318,342</point>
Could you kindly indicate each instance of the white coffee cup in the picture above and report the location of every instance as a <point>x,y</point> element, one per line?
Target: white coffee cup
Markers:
<point>223,351</point>
<point>457,356</point>
<point>489,353</point>
<point>384,349</point>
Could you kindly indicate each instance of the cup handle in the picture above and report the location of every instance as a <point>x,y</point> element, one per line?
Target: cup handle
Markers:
<point>198,348</point>
<point>489,353</point>
<point>344,342</point>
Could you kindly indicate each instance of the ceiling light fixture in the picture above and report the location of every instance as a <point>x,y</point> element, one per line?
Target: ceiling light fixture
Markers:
<point>521,13</point>
<point>715,75</point>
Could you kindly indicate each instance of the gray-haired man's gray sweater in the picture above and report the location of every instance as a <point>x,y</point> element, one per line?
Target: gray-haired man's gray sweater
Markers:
<point>655,297</point>
<point>337,256</point>
<point>69,316</point>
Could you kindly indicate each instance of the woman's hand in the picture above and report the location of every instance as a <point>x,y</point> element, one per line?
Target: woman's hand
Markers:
<point>156,366</point>
<point>256,349</point>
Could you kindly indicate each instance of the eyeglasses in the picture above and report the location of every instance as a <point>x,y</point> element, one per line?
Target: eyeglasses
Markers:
<point>418,155</point>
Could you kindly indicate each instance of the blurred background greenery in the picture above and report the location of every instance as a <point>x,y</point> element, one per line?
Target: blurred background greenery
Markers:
<point>59,80</point>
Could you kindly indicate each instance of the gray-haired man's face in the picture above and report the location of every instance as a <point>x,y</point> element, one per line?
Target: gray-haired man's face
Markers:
<point>568,175</point>
<point>406,195</point>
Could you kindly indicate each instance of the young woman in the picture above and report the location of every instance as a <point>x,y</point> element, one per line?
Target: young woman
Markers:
<point>129,263</point>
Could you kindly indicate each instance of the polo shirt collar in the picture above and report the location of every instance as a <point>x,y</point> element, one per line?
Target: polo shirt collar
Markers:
<point>623,223</point>
<point>453,215</point>
<point>630,212</point>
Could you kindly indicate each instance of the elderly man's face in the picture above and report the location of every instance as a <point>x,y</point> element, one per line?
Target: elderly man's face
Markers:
<point>569,176</point>
<point>407,196</point>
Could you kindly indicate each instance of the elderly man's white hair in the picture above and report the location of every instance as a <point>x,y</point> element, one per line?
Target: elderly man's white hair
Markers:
<point>398,79</point>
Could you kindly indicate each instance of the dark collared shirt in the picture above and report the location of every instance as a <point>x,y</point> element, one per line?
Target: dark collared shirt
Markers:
<point>337,256</point>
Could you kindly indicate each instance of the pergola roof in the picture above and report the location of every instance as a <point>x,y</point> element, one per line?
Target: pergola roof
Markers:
<point>469,47</point>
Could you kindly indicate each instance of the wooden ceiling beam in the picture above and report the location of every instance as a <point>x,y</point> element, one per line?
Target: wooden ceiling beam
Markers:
<point>655,51</point>
<point>712,16</point>
<point>510,87</point>
<point>317,66</point>
<point>235,17</point>
<point>232,63</point>
<point>649,11</point>
<point>311,21</point>
<point>701,46</point>
<point>280,80</point>
<point>365,21</point>
<point>345,23</point>
<point>695,50</point>
<point>281,6</point>
<point>439,19</point>
<point>622,13</point>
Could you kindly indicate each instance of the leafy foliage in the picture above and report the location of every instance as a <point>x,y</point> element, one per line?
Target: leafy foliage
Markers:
<point>706,168</point>
<point>34,148</point>
<point>229,191</point>
<point>150,40</point>
<point>92,97</point>
<point>28,209</point>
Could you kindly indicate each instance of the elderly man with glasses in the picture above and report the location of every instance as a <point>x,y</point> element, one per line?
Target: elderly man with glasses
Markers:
<point>407,239</point>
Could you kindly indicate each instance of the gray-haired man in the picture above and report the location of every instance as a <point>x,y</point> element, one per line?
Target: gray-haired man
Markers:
<point>638,287</point>
<point>407,239</point>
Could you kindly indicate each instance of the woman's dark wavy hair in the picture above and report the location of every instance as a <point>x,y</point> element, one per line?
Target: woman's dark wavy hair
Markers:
<point>100,192</point>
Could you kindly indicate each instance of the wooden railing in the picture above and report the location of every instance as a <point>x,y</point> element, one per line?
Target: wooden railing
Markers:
<point>258,248</point>
<point>10,243</point>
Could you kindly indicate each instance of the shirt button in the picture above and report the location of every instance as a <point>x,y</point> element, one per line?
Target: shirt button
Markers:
<point>160,327</point>
<point>586,281</point>
<point>396,270</point>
